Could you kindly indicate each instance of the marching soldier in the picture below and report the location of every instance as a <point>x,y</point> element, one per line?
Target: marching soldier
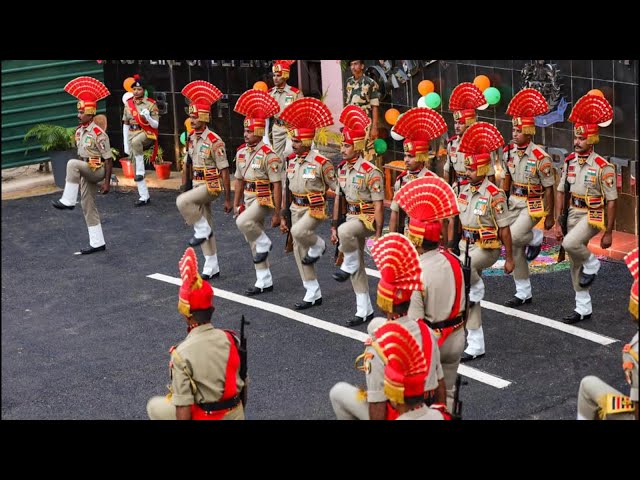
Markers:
<point>364,92</point>
<point>464,101</point>
<point>596,399</point>
<point>308,174</point>
<point>484,222</point>
<point>400,275</point>
<point>258,183</point>
<point>96,161</point>
<point>205,368</point>
<point>210,173</point>
<point>418,126</point>
<point>591,181</point>
<point>441,303</point>
<point>140,130</point>
<point>360,187</point>
<point>529,175</point>
<point>285,95</point>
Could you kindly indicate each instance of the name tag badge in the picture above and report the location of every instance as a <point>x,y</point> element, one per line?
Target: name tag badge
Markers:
<point>590,177</point>
<point>309,172</point>
<point>481,206</point>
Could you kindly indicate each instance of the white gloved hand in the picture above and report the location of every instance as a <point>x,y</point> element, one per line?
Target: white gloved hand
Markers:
<point>145,113</point>
<point>125,138</point>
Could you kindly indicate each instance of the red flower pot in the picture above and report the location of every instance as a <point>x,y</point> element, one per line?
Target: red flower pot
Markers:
<point>163,170</point>
<point>128,169</point>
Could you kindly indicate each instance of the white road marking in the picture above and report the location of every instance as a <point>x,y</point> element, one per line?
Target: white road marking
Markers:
<point>464,370</point>
<point>547,322</point>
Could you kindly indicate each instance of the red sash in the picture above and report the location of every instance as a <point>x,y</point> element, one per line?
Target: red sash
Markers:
<point>455,310</point>
<point>148,129</point>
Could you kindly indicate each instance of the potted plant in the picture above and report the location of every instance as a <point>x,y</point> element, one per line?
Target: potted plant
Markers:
<point>60,142</point>
<point>163,169</point>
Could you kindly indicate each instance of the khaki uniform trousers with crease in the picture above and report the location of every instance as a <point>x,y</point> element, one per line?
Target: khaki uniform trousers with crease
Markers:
<point>450,353</point>
<point>348,402</point>
<point>303,231</point>
<point>521,236</point>
<point>251,224</point>
<point>195,204</point>
<point>579,232</point>
<point>79,172</point>
<point>352,235</point>
<point>591,390</point>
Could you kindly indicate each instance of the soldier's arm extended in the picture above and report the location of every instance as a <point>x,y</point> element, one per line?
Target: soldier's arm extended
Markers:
<point>226,181</point>
<point>277,202</point>
<point>504,233</point>
<point>378,205</point>
<point>606,240</point>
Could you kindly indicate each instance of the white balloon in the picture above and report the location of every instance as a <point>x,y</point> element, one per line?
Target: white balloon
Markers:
<point>606,124</point>
<point>422,102</point>
<point>126,97</point>
<point>395,136</point>
<point>484,107</point>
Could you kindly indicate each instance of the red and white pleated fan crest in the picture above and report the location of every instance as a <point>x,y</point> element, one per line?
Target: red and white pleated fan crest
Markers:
<point>307,113</point>
<point>288,63</point>
<point>188,266</point>
<point>481,137</point>
<point>420,123</point>
<point>591,109</point>
<point>256,103</point>
<point>466,96</point>
<point>631,259</point>
<point>428,199</point>
<point>402,352</point>
<point>398,261</point>
<point>81,86</point>
<point>528,102</point>
<point>353,117</point>
<point>201,90</point>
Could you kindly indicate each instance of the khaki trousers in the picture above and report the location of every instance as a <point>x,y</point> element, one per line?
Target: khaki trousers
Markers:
<point>348,402</point>
<point>576,241</point>
<point>251,225</point>
<point>450,353</point>
<point>521,236</point>
<point>195,204</point>
<point>352,235</point>
<point>138,142</point>
<point>79,172</point>
<point>592,390</point>
<point>304,235</point>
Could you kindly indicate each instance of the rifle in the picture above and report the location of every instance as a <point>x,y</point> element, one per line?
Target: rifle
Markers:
<point>562,219</point>
<point>457,403</point>
<point>286,213</point>
<point>466,274</point>
<point>342,217</point>
<point>188,170</point>
<point>242,351</point>
<point>506,184</point>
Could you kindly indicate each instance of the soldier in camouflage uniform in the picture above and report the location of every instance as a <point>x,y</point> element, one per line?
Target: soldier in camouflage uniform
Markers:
<point>364,92</point>
<point>592,185</point>
<point>140,130</point>
<point>596,399</point>
<point>96,161</point>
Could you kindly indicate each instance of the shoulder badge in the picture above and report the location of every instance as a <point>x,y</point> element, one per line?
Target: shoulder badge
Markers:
<point>506,147</point>
<point>320,159</point>
<point>451,139</point>
<point>493,190</point>
<point>367,166</point>
<point>241,147</point>
<point>293,89</point>
<point>266,149</point>
<point>539,153</point>
<point>271,89</point>
<point>570,157</point>
<point>97,131</point>
<point>213,138</point>
<point>341,164</point>
<point>291,157</point>
<point>400,175</point>
<point>601,161</point>
<point>150,100</point>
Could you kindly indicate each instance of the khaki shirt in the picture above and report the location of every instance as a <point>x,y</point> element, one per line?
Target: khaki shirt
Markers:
<point>364,92</point>
<point>534,167</point>
<point>632,374</point>
<point>313,173</point>
<point>257,163</point>
<point>457,159</point>
<point>360,181</point>
<point>131,118</point>
<point>285,96</point>
<point>374,366</point>
<point>435,302</point>
<point>207,150</point>
<point>482,209</point>
<point>405,178</point>
<point>596,177</point>
<point>92,141</point>
<point>203,354</point>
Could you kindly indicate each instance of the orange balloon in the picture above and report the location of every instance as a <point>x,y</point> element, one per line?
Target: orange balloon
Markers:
<point>187,124</point>
<point>482,82</point>
<point>595,91</point>
<point>127,84</point>
<point>391,116</point>
<point>426,86</point>
<point>260,86</point>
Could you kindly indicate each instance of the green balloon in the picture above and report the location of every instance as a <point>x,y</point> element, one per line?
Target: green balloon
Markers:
<point>183,138</point>
<point>380,146</point>
<point>146,93</point>
<point>432,100</point>
<point>492,94</point>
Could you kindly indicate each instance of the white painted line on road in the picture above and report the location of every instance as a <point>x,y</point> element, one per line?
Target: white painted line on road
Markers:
<point>547,322</point>
<point>469,372</point>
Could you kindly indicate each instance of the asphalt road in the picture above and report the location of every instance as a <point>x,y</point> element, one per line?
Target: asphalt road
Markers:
<point>87,337</point>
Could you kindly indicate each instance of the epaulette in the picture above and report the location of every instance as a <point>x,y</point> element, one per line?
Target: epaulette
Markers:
<point>241,147</point>
<point>493,190</point>
<point>294,89</point>
<point>400,175</point>
<point>601,161</point>
<point>367,166</point>
<point>506,148</point>
<point>97,130</point>
<point>451,139</point>
<point>149,99</point>
<point>292,156</point>
<point>320,159</point>
<point>213,137</point>
<point>271,89</point>
<point>570,157</point>
<point>266,149</point>
<point>341,164</point>
<point>539,153</point>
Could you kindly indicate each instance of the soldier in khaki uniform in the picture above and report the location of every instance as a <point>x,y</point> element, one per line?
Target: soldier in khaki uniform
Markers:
<point>364,92</point>
<point>95,162</point>
<point>529,175</point>
<point>258,186</point>
<point>592,184</point>
<point>140,130</point>
<point>308,174</point>
<point>418,126</point>
<point>464,101</point>
<point>441,303</point>
<point>596,399</point>
<point>205,368</point>
<point>285,95</point>
<point>400,275</point>
<point>360,194</point>
<point>485,225</point>
<point>210,173</point>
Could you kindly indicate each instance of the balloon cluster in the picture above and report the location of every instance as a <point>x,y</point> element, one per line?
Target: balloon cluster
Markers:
<point>492,94</point>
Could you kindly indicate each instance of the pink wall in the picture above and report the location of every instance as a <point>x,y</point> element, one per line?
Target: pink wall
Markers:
<point>332,84</point>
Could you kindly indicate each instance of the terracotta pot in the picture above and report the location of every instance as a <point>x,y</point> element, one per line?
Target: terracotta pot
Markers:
<point>128,168</point>
<point>163,170</point>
